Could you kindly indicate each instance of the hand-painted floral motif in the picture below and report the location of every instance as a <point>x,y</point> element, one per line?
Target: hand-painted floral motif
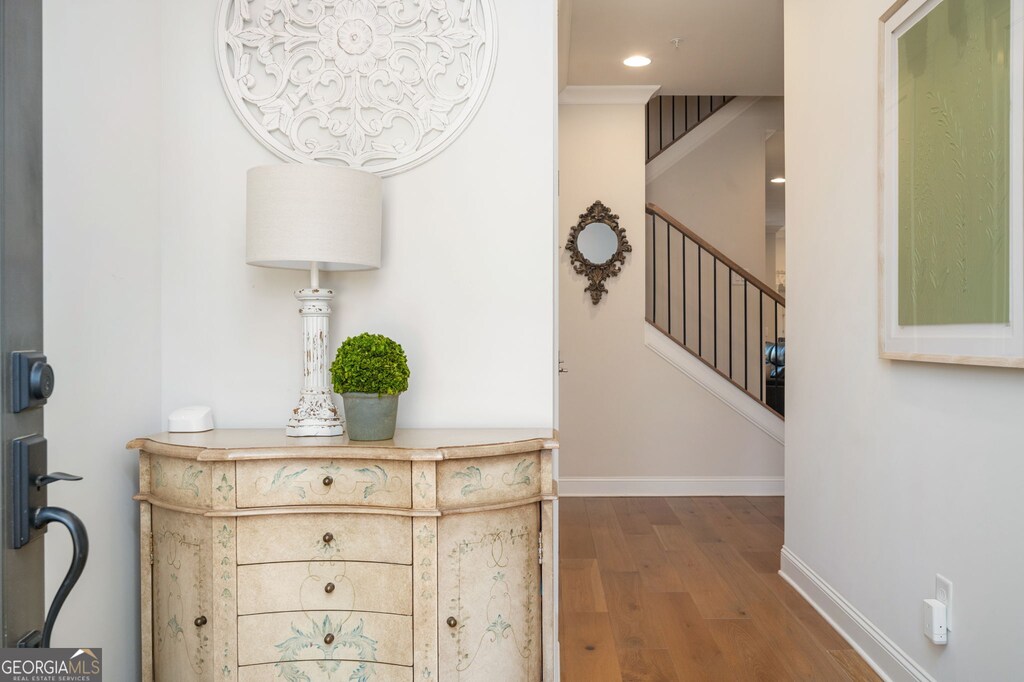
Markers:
<point>474,478</point>
<point>177,560</point>
<point>312,637</point>
<point>159,479</point>
<point>282,480</point>
<point>225,487</point>
<point>188,479</point>
<point>224,536</point>
<point>521,475</point>
<point>501,610</point>
<point>378,479</point>
<point>423,486</point>
<point>425,536</point>
<point>303,483</point>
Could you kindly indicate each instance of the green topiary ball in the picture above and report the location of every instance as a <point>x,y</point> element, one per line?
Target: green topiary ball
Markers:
<point>370,363</point>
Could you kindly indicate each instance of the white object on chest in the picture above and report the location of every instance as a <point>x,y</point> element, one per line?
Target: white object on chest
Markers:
<point>192,419</point>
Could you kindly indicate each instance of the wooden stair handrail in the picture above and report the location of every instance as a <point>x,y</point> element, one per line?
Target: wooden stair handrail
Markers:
<point>654,209</point>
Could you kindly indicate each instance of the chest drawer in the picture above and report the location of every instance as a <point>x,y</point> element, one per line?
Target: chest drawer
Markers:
<point>336,671</point>
<point>275,483</point>
<point>325,635</point>
<point>324,537</point>
<point>325,586</point>
<point>488,480</point>
<point>180,481</point>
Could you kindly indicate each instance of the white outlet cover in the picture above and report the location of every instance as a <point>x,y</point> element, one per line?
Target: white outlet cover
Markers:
<point>944,594</point>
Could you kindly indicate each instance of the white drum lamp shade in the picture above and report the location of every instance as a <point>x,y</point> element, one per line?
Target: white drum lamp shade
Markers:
<point>298,214</point>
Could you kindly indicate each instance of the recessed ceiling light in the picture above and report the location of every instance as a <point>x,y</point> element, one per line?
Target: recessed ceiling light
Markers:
<point>636,60</point>
<point>779,180</point>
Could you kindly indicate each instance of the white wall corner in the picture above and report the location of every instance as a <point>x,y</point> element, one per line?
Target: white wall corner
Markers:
<point>715,384</point>
<point>881,653</point>
<point>698,136</point>
<point>671,486</point>
<point>607,94</point>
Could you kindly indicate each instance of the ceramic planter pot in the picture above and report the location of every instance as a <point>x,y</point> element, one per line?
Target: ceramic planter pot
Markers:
<point>370,416</point>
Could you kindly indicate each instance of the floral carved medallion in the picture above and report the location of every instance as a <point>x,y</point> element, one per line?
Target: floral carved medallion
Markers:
<point>381,85</point>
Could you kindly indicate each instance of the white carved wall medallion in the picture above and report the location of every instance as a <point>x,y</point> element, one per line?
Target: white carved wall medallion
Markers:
<point>381,85</point>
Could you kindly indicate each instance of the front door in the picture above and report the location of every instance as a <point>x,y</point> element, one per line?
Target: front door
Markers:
<point>21,289</point>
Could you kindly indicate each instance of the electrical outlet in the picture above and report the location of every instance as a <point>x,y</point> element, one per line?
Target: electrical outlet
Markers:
<point>944,594</point>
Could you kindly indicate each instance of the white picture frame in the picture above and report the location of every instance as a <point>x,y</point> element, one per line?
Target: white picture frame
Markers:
<point>1000,344</point>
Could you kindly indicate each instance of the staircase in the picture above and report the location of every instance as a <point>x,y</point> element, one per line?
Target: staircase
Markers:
<point>671,117</point>
<point>723,317</point>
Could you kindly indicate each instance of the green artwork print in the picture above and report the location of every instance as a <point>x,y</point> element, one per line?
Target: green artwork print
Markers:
<point>954,168</point>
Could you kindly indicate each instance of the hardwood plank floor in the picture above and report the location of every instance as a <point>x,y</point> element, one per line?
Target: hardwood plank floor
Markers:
<point>677,589</point>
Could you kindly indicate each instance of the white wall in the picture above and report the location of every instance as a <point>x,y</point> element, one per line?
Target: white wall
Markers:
<point>145,177</point>
<point>717,190</point>
<point>894,470</point>
<point>774,256</point>
<point>102,301</point>
<point>625,412</point>
<point>466,283</point>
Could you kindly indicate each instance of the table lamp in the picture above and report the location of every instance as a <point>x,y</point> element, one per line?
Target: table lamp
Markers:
<point>319,217</point>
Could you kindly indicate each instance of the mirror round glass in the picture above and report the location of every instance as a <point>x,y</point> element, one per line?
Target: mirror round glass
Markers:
<point>598,243</point>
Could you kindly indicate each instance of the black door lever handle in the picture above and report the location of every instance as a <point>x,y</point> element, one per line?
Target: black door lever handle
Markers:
<point>47,479</point>
<point>31,514</point>
<point>80,553</point>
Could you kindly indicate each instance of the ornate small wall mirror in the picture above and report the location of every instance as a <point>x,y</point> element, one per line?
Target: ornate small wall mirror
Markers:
<point>597,248</point>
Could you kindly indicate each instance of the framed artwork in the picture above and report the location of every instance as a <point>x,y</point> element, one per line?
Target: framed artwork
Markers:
<point>952,182</point>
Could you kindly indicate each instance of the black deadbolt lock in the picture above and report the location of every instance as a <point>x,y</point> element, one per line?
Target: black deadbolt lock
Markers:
<point>31,380</point>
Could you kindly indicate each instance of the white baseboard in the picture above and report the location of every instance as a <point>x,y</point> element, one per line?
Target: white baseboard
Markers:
<point>670,486</point>
<point>715,384</point>
<point>881,653</point>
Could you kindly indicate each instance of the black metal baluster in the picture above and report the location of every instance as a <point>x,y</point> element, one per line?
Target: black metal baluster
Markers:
<point>714,278</point>
<point>730,323</point>
<point>778,352</point>
<point>760,342</point>
<point>661,126</point>
<point>686,113</point>
<point>668,275</point>
<point>647,129</point>
<point>776,329</point>
<point>746,339</point>
<point>683,287</point>
<point>654,268</point>
<point>700,307</point>
<point>673,118</point>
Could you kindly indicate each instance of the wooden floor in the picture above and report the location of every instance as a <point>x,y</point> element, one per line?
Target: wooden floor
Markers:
<point>682,588</point>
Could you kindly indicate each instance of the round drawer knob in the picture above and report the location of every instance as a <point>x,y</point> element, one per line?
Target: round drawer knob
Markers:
<point>452,622</point>
<point>329,587</point>
<point>328,481</point>
<point>329,638</point>
<point>328,538</point>
<point>200,621</point>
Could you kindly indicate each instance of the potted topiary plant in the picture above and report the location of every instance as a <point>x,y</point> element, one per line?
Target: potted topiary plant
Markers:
<point>370,371</point>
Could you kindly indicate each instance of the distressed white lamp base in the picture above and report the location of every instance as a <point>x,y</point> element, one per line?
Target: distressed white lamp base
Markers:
<point>316,414</point>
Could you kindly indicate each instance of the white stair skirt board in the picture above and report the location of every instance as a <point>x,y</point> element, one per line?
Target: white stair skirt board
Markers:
<point>881,653</point>
<point>710,127</point>
<point>670,486</point>
<point>607,94</point>
<point>716,385</point>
